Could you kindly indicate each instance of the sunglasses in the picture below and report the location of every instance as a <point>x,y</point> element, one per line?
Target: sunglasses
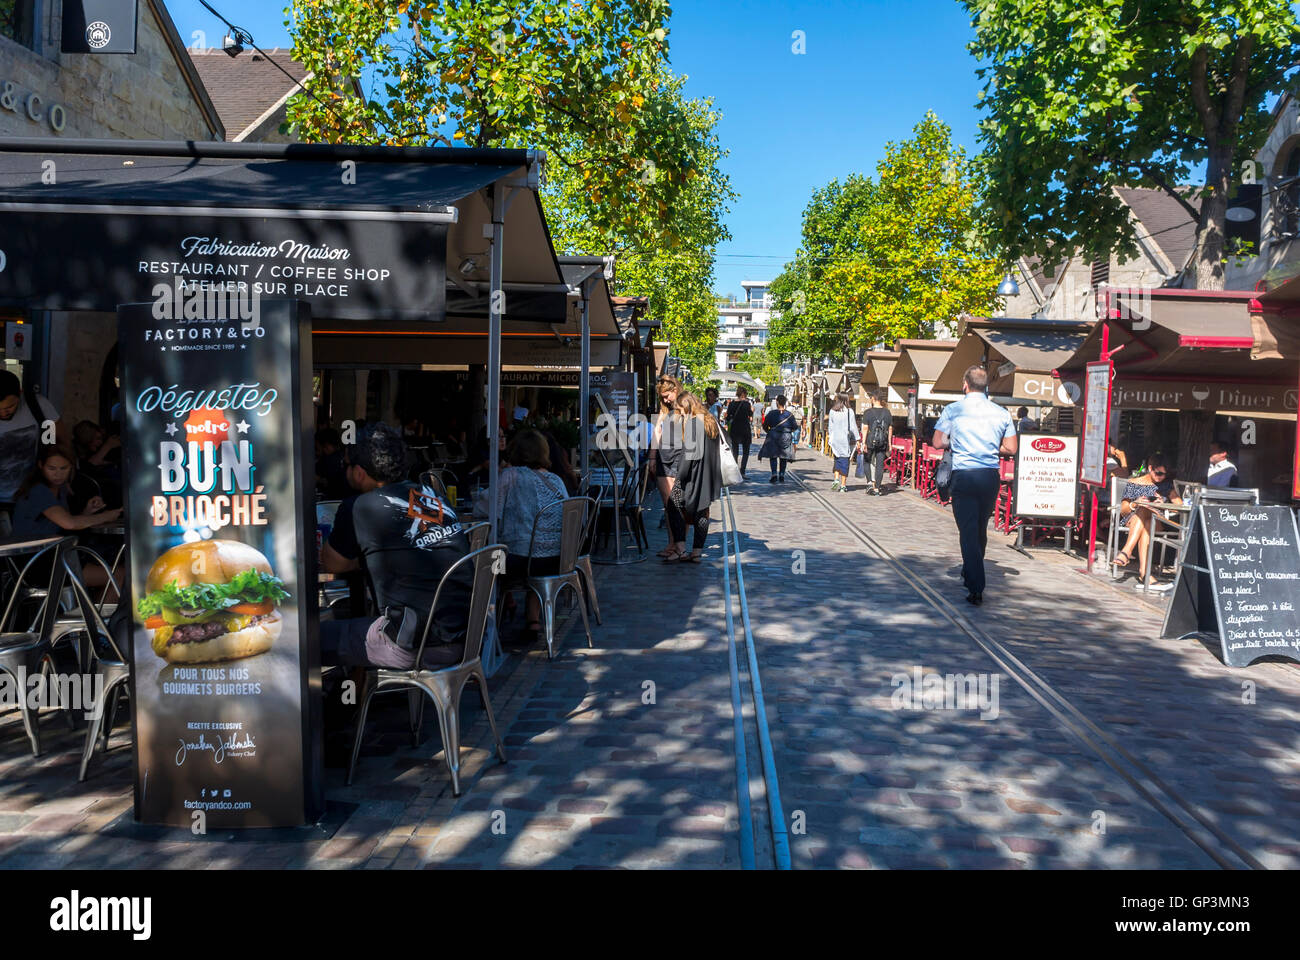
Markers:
<point>1158,473</point>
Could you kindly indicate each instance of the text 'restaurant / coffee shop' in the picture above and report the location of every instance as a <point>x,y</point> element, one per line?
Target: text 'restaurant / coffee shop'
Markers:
<point>231,268</point>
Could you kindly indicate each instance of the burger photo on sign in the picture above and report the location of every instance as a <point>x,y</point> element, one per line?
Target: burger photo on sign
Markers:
<point>210,601</point>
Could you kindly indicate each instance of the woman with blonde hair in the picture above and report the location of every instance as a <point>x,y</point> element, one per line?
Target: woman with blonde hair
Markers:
<point>666,455</point>
<point>699,478</point>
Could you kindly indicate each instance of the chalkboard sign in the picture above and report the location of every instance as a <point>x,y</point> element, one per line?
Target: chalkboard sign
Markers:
<point>1240,578</point>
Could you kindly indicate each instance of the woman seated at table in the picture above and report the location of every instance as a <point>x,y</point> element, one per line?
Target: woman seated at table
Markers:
<point>526,487</point>
<point>1141,497</point>
<point>41,509</point>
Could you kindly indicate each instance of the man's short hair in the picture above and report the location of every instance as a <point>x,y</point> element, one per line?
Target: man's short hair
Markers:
<point>1218,446</point>
<point>976,377</point>
<point>711,390</point>
<point>742,392</point>
<point>882,396</point>
<point>780,400</point>
<point>1022,412</point>
<point>381,452</point>
<point>10,386</point>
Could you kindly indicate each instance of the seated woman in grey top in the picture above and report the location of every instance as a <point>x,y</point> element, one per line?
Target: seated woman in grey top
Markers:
<point>526,487</point>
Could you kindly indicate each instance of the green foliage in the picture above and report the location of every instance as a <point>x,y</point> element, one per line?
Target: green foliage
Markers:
<point>1085,95</point>
<point>760,365</point>
<point>631,162</point>
<point>665,253</point>
<point>886,258</point>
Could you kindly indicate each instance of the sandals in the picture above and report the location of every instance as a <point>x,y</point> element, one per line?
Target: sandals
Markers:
<point>1122,563</point>
<point>677,556</point>
<point>666,552</point>
<point>692,558</point>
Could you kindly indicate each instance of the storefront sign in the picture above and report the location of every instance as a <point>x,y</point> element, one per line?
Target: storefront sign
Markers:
<point>1096,420</point>
<point>221,534</point>
<point>1132,394</point>
<point>539,378</point>
<point>344,268</point>
<point>29,104</point>
<point>1047,472</point>
<point>1241,579</point>
<point>99,26</point>
<point>1033,386</point>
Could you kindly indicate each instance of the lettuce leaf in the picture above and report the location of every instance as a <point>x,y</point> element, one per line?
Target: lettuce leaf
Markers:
<point>248,586</point>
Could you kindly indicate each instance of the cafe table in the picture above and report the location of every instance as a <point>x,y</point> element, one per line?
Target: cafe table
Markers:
<point>1169,523</point>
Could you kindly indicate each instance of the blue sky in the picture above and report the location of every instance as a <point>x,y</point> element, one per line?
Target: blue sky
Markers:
<point>792,121</point>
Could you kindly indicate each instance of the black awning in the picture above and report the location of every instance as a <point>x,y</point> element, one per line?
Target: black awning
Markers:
<point>359,233</point>
<point>238,183</point>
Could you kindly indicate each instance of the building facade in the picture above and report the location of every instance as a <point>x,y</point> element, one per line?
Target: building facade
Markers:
<point>743,324</point>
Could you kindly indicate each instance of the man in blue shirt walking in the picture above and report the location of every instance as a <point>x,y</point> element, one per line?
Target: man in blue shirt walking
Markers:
<point>977,431</point>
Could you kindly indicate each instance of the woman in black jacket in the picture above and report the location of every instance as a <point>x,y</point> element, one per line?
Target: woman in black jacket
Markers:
<point>699,479</point>
<point>780,425</point>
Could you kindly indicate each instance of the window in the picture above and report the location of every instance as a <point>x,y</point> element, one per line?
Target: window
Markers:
<point>1286,198</point>
<point>17,21</point>
<point>757,293</point>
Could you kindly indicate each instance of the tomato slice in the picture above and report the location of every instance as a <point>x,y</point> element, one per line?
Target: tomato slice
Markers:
<point>252,609</point>
<point>153,623</point>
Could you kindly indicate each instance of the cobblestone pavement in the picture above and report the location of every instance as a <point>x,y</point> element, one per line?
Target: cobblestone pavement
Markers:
<point>901,788</point>
<point>622,755</point>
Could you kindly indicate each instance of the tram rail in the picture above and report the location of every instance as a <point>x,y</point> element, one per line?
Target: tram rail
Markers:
<point>732,563</point>
<point>1181,812</point>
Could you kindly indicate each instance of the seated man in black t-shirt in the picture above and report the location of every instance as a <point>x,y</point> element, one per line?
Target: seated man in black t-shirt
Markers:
<point>405,537</point>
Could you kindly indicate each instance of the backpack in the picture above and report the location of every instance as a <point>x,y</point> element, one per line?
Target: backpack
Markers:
<point>877,434</point>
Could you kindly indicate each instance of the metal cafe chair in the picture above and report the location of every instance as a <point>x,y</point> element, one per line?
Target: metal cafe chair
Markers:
<point>573,512</point>
<point>23,651</point>
<point>583,562</point>
<point>1118,525</point>
<point>444,684</point>
<point>111,668</point>
<point>477,534</point>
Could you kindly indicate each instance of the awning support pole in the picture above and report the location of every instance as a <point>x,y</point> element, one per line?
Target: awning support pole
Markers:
<point>496,301</point>
<point>584,379</point>
<point>1092,522</point>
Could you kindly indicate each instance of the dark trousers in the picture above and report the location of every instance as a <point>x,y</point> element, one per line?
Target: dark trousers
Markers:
<point>740,444</point>
<point>783,463</point>
<point>974,495</point>
<point>876,467</point>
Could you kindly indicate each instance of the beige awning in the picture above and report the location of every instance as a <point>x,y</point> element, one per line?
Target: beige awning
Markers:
<point>1275,322</point>
<point>924,358</point>
<point>1021,355</point>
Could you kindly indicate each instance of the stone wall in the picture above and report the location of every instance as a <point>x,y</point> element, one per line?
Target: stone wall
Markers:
<point>143,96</point>
<point>140,97</point>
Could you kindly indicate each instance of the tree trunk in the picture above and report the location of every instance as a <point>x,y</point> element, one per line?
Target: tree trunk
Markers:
<point>1208,266</point>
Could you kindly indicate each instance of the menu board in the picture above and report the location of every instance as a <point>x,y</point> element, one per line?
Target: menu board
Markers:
<point>1096,420</point>
<point>222,551</point>
<point>1255,563</point>
<point>1240,578</point>
<point>1047,472</point>
<point>617,389</point>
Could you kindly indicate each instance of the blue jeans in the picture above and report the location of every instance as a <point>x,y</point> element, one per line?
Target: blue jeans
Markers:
<point>974,495</point>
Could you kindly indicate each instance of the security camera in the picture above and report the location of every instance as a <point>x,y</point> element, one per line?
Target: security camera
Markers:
<point>232,46</point>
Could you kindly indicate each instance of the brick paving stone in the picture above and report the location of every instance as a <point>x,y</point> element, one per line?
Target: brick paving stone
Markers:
<point>598,778</point>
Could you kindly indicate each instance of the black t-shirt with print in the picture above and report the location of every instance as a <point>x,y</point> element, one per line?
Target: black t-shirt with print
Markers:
<point>408,538</point>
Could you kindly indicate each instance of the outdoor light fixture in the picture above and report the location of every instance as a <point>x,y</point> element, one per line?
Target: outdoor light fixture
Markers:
<point>468,266</point>
<point>1008,287</point>
<point>231,45</point>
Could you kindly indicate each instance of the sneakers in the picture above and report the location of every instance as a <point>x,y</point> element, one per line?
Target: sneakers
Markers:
<point>835,486</point>
<point>844,488</point>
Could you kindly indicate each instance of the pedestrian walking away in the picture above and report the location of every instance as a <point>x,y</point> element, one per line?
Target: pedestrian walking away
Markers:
<point>842,427</point>
<point>740,427</point>
<point>978,432</point>
<point>778,446</point>
<point>877,435</point>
